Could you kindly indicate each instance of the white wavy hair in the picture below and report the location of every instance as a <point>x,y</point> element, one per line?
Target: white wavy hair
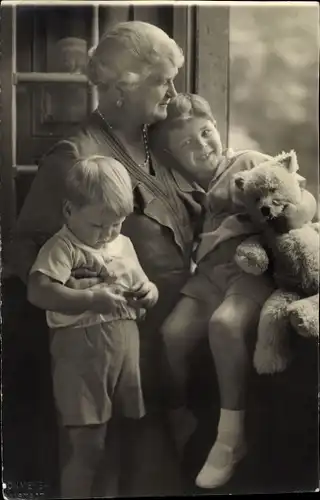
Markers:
<point>129,52</point>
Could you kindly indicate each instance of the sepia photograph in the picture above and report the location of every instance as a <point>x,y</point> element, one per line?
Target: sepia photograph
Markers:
<point>160,235</point>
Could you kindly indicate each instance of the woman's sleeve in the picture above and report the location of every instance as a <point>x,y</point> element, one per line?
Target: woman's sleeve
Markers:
<point>139,276</point>
<point>41,214</point>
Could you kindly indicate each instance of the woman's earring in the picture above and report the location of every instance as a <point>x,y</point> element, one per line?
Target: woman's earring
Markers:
<point>119,103</point>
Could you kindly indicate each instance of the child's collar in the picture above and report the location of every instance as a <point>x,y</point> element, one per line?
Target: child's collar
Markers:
<point>184,185</point>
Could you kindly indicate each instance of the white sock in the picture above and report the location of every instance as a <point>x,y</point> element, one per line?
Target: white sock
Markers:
<point>231,427</point>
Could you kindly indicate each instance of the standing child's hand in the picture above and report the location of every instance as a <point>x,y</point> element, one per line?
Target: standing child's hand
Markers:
<point>144,295</point>
<point>106,299</point>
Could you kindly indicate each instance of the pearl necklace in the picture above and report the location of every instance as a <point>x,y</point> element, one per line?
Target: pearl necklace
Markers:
<point>146,162</point>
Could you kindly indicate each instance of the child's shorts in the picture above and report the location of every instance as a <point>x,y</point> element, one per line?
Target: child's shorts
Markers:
<point>227,279</point>
<point>96,372</point>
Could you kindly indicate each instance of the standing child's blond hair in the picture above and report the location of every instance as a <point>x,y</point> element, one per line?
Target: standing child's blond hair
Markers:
<point>100,179</point>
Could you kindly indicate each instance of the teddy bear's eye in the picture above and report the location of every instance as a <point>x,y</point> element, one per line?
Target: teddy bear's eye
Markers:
<point>272,190</point>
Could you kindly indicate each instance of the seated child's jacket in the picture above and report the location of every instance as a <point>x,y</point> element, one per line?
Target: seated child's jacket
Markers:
<point>64,252</point>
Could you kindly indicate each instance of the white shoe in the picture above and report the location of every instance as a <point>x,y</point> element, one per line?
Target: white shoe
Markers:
<point>220,465</point>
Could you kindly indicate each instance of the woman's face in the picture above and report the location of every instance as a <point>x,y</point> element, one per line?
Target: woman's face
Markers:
<point>149,101</point>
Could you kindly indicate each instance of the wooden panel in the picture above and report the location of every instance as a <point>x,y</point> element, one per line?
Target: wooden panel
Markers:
<point>112,15</point>
<point>148,14</point>
<point>34,138</point>
<point>25,18</point>
<point>37,130</point>
<point>61,41</point>
<point>95,35</point>
<point>26,169</point>
<point>34,77</point>
<point>161,16</point>
<point>8,121</point>
<point>183,33</point>
<point>55,40</point>
<point>51,26</point>
<point>212,61</point>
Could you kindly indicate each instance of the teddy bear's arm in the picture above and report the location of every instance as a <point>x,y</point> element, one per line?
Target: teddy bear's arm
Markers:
<point>316,226</point>
<point>251,257</point>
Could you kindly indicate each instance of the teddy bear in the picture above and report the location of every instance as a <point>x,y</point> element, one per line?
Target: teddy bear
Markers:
<point>287,244</point>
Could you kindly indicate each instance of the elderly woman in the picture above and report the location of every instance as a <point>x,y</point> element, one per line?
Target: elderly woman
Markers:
<point>133,67</point>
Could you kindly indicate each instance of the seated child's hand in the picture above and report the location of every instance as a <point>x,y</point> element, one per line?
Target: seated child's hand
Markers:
<point>144,295</point>
<point>106,299</point>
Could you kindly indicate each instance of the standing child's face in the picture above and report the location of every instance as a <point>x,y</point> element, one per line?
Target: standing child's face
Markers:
<point>197,147</point>
<point>92,224</point>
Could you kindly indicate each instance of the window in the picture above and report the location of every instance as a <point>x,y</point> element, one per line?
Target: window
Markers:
<point>274,82</point>
<point>46,93</point>
<point>44,88</point>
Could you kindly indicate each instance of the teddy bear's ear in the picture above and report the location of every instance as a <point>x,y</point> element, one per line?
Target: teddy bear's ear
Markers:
<point>302,181</point>
<point>289,161</point>
<point>239,181</point>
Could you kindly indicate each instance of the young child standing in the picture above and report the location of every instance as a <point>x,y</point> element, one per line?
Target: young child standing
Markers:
<point>219,294</point>
<point>94,336</point>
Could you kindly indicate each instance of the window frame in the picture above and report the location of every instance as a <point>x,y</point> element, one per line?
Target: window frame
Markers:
<point>194,28</point>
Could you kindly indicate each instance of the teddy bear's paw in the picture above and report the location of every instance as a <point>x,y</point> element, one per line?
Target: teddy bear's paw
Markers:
<point>248,265</point>
<point>305,327</point>
<point>304,316</point>
<point>267,360</point>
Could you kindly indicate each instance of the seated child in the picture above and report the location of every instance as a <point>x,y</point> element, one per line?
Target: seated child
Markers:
<point>94,335</point>
<point>219,294</point>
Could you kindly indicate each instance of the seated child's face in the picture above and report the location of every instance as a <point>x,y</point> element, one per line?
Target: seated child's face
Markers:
<point>93,224</point>
<point>197,148</point>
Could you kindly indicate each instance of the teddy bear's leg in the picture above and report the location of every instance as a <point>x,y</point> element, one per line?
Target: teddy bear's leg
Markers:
<point>273,353</point>
<point>304,316</point>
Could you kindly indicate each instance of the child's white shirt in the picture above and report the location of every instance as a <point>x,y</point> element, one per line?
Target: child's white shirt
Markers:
<point>64,252</point>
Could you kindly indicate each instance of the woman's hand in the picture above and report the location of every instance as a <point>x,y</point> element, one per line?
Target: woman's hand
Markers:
<point>106,299</point>
<point>144,295</point>
<point>93,273</point>
<point>83,278</point>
